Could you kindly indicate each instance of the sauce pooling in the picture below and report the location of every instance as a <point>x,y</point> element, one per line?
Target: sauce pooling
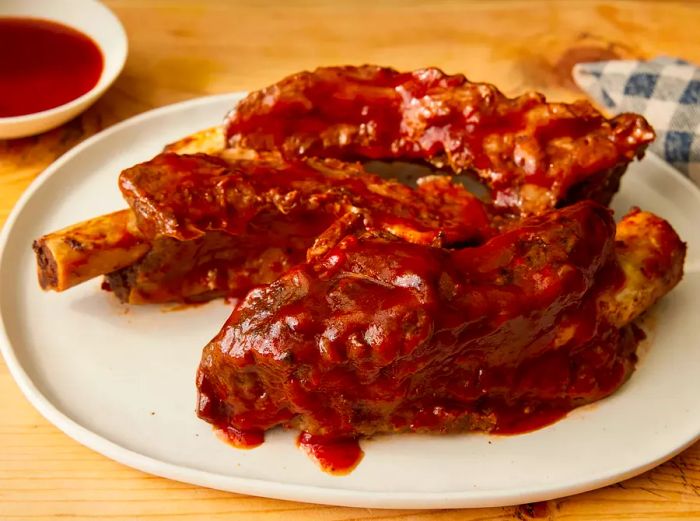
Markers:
<point>239,438</point>
<point>44,64</point>
<point>337,456</point>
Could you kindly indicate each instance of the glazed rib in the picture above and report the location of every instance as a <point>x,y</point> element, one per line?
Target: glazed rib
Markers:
<point>379,335</point>
<point>184,196</point>
<point>534,155</point>
<point>212,227</point>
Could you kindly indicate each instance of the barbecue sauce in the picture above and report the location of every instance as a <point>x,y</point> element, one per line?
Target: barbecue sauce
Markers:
<point>241,439</point>
<point>516,145</point>
<point>511,370</point>
<point>520,422</point>
<point>338,456</point>
<point>44,64</point>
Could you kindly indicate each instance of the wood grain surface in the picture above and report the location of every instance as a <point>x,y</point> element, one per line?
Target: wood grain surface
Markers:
<point>181,49</point>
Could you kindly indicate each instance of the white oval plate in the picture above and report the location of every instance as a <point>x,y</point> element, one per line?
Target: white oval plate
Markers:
<point>121,380</point>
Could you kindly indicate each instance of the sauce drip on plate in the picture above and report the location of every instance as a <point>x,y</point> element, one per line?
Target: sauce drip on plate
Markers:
<point>512,422</point>
<point>241,439</point>
<point>337,456</point>
<point>44,64</point>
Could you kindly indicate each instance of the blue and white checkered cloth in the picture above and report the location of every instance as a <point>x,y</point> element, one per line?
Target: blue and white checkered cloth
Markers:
<point>666,91</point>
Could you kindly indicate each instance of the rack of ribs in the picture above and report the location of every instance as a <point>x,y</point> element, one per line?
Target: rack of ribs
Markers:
<point>367,306</point>
<point>532,155</point>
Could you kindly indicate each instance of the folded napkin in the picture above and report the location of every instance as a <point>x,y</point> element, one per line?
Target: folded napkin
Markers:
<point>666,91</point>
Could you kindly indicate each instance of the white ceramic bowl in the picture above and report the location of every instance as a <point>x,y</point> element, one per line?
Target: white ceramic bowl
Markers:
<point>89,17</point>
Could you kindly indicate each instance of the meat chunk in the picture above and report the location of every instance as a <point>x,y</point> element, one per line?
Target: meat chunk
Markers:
<point>534,155</point>
<point>380,335</point>
<point>218,227</point>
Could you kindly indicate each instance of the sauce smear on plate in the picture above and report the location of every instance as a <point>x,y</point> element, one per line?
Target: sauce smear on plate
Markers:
<point>334,456</point>
<point>241,439</point>
<point>43,65</point>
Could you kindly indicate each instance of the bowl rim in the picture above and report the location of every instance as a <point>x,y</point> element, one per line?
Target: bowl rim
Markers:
<point>103,82</point>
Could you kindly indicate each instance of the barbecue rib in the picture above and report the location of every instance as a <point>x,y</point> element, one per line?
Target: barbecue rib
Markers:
<point>533,155</point>
<point>207,227</point>
<point>379,335</point>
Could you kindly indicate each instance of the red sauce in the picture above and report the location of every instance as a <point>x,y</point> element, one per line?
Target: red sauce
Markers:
<point>520,422</point>
<point>371,112</point>
<point>338,456</point>
<point>508,338</point>
<point>241,439</point>
<point>273,226</point>
<point>43,65</point>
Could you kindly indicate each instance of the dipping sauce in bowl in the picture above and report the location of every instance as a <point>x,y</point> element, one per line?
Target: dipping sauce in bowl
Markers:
<point>44,64</point>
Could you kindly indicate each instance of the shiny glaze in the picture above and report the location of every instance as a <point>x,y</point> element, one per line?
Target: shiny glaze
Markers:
<point>379,335</point>
<point>219,228</point>
<point>533,155</point>
<point>44,64</point>
<point>184,196</point>
<point>241,439</point>
<point>337,456</point>
<point>522,419</point>
<point>218,264</point>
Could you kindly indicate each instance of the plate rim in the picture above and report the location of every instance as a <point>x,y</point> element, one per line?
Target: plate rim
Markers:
<point>264,487</point>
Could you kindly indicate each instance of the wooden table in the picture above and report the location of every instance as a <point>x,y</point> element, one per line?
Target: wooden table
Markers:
<point>187,48</point>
